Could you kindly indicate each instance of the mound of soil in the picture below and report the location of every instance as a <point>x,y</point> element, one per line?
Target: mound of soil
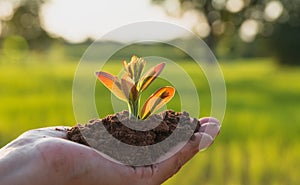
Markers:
<point>95,133</point>
<point>129,136</point>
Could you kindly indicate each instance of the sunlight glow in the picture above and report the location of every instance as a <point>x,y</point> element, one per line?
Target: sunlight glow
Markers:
<point>203,29</point>
<point>235,6</point>
<point>198,21</point>
<point>172,7</point>
<point>249,30</point>
<point>77,20</point>
<point>6,10</point>
<point>273,10</point>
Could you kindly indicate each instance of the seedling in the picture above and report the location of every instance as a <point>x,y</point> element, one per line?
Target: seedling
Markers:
<point>132,84</point>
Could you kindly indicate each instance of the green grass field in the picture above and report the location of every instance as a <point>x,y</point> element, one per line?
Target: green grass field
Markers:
<point>258,143</point>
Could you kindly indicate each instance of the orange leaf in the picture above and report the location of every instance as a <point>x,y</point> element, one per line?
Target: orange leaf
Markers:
<point>150,76</point>
<point>157,100</point>
<point>112,83</point>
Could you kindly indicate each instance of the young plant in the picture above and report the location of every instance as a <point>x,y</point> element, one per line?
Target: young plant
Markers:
<point>132,84</point>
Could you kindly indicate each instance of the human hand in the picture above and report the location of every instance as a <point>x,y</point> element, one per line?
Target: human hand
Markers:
<point>45,156</point>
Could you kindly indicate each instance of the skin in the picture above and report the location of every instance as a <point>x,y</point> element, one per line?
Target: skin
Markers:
<point>44,156</point>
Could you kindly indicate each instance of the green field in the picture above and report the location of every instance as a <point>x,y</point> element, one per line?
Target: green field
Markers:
<point>258,143</point>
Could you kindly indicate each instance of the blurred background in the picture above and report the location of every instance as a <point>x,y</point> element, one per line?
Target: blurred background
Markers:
<point>256,43</point>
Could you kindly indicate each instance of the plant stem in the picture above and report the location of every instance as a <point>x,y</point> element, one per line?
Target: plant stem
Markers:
<point>134,107</point>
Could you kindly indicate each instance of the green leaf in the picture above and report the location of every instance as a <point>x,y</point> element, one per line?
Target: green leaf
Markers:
<point>157,100</point>
<point>150,76</point>
<point>112,83</point>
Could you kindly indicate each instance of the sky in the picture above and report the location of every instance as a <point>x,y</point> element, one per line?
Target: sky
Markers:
<point>77,20</point>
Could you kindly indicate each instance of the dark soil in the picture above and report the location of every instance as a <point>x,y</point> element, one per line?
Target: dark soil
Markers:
<point>178,127</point>
<point>130,136</point>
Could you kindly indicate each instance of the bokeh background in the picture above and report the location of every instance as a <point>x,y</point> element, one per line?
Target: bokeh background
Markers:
<point>257,44</point>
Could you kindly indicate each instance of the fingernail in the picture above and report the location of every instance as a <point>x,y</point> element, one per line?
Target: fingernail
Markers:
<point>205,142</point>
<point>211,129</point>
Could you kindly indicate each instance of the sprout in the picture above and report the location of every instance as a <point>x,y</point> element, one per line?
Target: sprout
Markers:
<point>132,84</point>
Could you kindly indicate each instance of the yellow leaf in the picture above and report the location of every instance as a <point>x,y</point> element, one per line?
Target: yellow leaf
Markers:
<point>134,58</point>
<point>157,100</point>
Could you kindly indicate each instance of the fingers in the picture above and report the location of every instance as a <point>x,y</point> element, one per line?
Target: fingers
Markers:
<point>144,172</point>
<point>205,140</point>
<point>210,128</point>
<point>167,168</point>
